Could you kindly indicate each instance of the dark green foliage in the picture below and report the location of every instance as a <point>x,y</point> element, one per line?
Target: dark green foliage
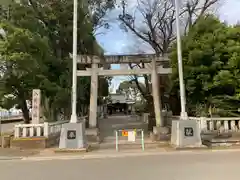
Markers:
<point>211,57</point>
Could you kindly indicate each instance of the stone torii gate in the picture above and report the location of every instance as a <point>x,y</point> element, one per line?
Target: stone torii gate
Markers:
<point>95,71</point>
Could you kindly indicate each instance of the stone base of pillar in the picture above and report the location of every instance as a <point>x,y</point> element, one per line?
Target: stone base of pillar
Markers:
<point>184,116</point>
<point>93,135</point>
<point>186,134</point>
<point>74,118</point>
<point>73,136</point>
<point>160,134</point>
<point>93,123</point>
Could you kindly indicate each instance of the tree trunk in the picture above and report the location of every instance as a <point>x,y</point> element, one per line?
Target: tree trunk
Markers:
<point>175,106</point>
<point>25,111</point>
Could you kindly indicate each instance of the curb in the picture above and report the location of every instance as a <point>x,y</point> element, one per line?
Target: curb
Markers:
<point>7,158</point>
<point>123,154</point>
<point>89,156</point>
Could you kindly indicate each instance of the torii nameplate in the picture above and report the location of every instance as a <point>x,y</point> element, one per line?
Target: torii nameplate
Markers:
<point>120,59</point>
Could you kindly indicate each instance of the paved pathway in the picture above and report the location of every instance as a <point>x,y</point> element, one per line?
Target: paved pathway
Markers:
<point>121,122</point>
<point>178,166</point>
<point>108,125</point>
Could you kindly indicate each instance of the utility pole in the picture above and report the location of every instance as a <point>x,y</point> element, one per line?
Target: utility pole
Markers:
<point>74,65</point>
<point>184,115</point>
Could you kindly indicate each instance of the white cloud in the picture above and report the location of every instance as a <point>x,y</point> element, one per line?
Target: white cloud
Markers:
<point>229,11</point>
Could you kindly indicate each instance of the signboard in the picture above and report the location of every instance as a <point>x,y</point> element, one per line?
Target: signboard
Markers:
<point>119,59</point>
<point>71,134</point>
<point>124,133</point>
<point>188,131</point>
<point>132,136</point>
<point>84,59</point>
<point>36,102</point>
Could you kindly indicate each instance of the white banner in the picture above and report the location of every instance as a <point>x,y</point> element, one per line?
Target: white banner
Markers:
<point>132,136</point>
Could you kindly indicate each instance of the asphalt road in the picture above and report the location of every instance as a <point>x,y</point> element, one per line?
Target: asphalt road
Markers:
<point>181,166</point>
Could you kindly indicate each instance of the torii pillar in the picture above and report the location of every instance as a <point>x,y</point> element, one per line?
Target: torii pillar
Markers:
<point>156,95</point>
<point>93,97</point>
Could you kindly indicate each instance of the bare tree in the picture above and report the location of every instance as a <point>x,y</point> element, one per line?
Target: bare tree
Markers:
<point>153,21</point>
<point>99,10</point>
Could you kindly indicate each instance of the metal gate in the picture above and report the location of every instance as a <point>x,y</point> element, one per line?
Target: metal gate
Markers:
<point>131,135</point>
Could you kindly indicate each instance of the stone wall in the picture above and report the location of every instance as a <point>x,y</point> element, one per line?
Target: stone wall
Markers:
<point>5,141</point>
<point>35,142</point>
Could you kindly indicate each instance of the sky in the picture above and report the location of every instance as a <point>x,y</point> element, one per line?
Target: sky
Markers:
<point>116,41</point>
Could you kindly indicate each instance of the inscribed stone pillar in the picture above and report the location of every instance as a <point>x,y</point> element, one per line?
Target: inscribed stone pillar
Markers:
<point>93,97</point>
<point>36,103</point>
<point>156,95</point>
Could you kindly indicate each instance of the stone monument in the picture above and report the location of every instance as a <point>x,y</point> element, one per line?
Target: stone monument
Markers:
<point>73,136</point>
<point>186,133</point>
<point>36,105</point>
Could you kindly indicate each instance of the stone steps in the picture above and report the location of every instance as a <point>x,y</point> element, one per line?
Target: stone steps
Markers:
<point>222,140</point>
<point>109,146</point>
<point>110,143</point>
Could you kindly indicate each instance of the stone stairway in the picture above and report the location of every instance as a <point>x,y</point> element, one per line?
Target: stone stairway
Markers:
<point>225,139</point>
<point>124,144</point>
